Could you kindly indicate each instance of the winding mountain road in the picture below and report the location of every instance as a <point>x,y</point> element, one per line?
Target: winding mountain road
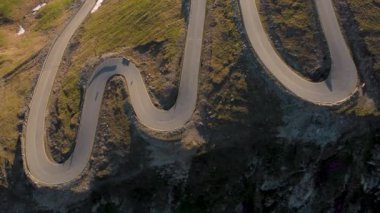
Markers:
<point>343,78</point>
<point>44,171</point>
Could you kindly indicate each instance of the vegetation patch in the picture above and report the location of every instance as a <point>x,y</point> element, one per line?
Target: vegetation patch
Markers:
<point>2,40</point>
<point>52,14</point>
<point>13,95</point>
<point>367,16</point>
<point>14,50</point>
<point>7,8</point>
<point>225,86</point>
<point>295,30</point>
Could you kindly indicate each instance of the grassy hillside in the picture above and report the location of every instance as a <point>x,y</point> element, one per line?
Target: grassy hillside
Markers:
<point>16,49</point>
<point>8,8</point>
<point>146,31</point>
<point>13,94</point>
<point>51,14</point>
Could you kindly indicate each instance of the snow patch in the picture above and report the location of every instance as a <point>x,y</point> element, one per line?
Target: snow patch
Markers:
<point>21,30</point>
<point>97,5</point>
<point>38,7</point>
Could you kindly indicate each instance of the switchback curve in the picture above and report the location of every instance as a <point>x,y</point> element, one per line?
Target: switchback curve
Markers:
<point>343,79</point>
<point>45,171</point>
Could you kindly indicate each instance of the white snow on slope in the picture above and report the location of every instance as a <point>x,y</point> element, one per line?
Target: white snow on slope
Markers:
<point>97,5</point>
<point>38,7</point>
<point>21,30</point>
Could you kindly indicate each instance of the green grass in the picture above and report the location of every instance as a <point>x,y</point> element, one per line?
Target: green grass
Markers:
<point>16,49</point>
<point>12,94</point>
<point>7,8</point>
<point>225,85</point>
<point>51,14</point>
<point>293,14</point>
<point>116,25</point>
<point>133,23</point>
<point>226,43</point>
<point>367,15</point>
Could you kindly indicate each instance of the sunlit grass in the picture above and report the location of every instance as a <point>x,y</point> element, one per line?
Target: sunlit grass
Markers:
<point>52,14</point>
<point>7,7</point>
<point>16,49</point>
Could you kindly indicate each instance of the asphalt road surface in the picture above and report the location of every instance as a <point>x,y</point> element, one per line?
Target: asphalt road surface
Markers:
<point>343,79</point>
<point>44,171</point>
